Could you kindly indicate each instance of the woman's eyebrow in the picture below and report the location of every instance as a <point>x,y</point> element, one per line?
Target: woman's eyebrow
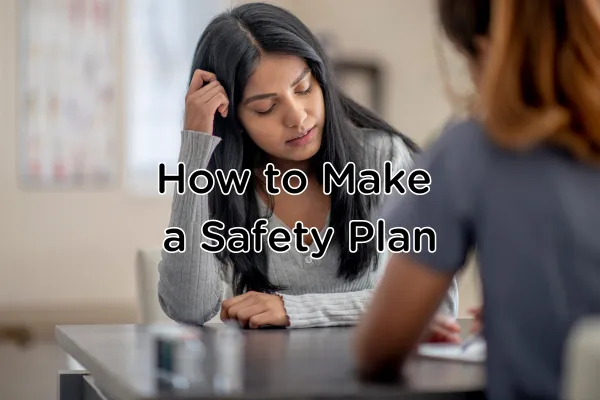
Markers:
<point>267,95</point>
<point>300,77</point>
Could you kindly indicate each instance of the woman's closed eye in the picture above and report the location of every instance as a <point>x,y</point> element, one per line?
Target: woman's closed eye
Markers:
<point>270,109</point>
<point>306,91</point>
<point>267,111</point>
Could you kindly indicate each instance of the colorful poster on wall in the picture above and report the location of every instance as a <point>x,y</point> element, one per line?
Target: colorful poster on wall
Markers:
<point>69,64</point>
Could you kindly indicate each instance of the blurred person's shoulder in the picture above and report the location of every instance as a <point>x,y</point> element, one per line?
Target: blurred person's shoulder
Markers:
<point>466,145</point>
<point>462,146</point>
<point>459,160</point>
<point>462,136</point>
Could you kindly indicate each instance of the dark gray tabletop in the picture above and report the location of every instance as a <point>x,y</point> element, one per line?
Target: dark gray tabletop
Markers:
<point>306,363</point>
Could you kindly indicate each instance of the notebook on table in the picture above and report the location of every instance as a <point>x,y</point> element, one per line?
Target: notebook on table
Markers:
<point>475,353</point>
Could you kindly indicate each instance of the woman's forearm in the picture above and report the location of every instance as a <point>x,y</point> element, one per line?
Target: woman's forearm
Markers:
<point>326,309</point>
<point>190,284</point>
<point>346,308</point>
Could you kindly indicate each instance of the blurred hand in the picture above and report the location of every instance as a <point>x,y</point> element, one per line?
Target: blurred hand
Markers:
<point>477,313</point>
<point>205,97</point>
<point>254,309</point>
<point>443,329</point>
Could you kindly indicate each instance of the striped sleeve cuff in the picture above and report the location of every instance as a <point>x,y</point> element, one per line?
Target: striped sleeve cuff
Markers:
<point>325,309</point>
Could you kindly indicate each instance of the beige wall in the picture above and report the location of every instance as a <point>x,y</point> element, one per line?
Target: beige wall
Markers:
<point>69,249</point>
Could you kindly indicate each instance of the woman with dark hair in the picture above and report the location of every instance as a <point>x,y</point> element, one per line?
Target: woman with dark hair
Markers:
<point>520,182</point>
<point>262,92</point>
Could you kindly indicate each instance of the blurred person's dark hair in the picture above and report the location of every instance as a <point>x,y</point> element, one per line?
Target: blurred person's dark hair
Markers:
<point>537,66</point>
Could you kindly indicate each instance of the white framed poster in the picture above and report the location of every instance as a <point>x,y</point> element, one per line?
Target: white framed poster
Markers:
<point>68,72</point>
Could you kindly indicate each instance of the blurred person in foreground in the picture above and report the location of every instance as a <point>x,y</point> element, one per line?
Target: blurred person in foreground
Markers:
<point>520,181</point>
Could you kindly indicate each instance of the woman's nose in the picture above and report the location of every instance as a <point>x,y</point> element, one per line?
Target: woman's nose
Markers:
<point>295,116</point>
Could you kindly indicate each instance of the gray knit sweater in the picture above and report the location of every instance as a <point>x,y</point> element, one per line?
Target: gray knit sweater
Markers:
<point>191,283</point>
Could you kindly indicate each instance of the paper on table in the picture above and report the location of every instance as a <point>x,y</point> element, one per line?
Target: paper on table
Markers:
<point>475,353</point>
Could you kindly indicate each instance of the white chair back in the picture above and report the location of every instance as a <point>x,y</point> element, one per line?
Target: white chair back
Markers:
<point>146,271</point>
<point>581,379</point>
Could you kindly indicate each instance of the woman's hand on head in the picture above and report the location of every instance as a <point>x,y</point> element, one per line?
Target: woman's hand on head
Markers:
<point>204,98</point>
<point>253,310</point>
<point>443,329</point>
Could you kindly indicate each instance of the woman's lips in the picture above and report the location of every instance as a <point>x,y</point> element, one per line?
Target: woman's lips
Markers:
<point>302,139</point>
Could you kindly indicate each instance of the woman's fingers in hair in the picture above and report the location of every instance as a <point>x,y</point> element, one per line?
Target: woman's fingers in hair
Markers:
<point>217,93</point>
<point>220,103</point>
<point>201,106</point>
<point>208,94</point>
<point>204,90</point>
<point>199,78</point>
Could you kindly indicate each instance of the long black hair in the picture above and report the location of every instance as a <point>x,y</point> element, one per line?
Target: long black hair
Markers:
<point>231,47</point>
